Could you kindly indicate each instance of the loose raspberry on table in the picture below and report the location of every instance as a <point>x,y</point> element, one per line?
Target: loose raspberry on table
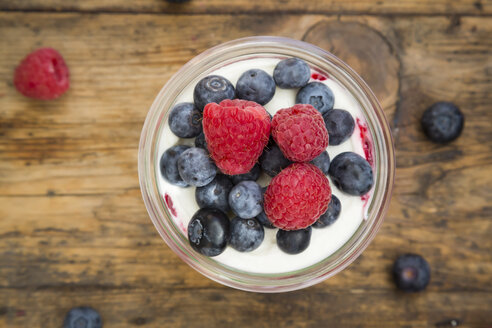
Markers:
<point>297,197</point>
<point>236,132</point>
<point>300,132</point>
<point>43,74</point>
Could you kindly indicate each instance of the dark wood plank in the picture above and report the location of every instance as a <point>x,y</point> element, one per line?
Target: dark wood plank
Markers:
<point>382,7</point>
<point>74,230</point>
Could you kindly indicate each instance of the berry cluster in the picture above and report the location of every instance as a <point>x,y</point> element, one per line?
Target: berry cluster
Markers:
<point>236,140</point>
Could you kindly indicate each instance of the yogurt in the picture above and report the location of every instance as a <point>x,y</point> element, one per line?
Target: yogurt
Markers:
<point>268,258</point>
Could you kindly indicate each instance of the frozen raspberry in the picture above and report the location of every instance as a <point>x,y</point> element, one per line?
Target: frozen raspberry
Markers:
<point>43,74</point>
<point>300,132</point>
<point>297,197</point>
<point>236,132</point>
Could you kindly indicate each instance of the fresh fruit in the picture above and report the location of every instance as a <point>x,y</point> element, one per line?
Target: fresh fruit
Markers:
<point>255,85</point>
<point>291,73</point>
<point>272,160</point>
<point>246,234</point>
<point>209,231</point>
<point>215,194</point>
<point>294,242</point>
<point>253,175</point>
<point>442,122</point>
<point>331,214</point>
<point>340,125</point>
<point>297,197</point>
<point>300,132</point>
<point>200,141</point>
<point>212,89</point>
<point>411,273</point>
<point>318,95</point>
<point>185,120</point>
<point>236,132</point>
<point>195,167</point>
<point>322,161</point>
<point>82,317</point>
<point>262,218</point>
<point>246,199</point>
<point>43,74</point>
<point>169,165</point>
<point>351,174</point>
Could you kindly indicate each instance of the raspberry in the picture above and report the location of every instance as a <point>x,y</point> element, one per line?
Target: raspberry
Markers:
<point>297,197</point>
<point>43,74</point>
<point>300,132</point>
<point>236,132</point>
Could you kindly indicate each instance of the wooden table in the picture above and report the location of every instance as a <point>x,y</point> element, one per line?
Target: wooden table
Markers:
<point>73,227</point>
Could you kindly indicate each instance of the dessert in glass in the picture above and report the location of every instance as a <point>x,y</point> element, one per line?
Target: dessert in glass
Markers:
<point>246,243</point>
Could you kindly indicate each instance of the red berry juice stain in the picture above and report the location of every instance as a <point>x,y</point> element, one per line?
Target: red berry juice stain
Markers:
<point>183,228</point>
<point>318,77</point>
<point>170,205</point>
<point>365,199</point>
<point>366,142</point>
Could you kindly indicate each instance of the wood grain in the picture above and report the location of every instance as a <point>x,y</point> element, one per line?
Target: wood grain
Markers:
<point>380,7</point>
<point>74,230</point>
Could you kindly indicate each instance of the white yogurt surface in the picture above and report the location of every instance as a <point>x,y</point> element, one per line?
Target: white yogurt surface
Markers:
<point>268,258</point>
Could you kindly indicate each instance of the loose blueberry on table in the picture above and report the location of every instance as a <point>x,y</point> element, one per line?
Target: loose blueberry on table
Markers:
<point>237,141</point>
<point>82,317</point>
<point>442,122</point>
<point>411,273</point>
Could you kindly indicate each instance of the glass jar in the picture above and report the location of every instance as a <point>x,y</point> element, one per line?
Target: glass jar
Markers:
<point>224,54</point>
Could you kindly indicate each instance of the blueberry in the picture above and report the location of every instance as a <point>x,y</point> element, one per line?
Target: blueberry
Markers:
<point>262,218</point>
<point>246,199</point>
<point>291,73</point>
<point>185,120</point>
<point>209,231</point>
<point>82,317</point>
<point>339,124</point>
<point>351,173</point>
<point>322,161</point>
<point>169,165</point>
<point>213,88</point>
<point>255,85</point>
<point>331,214</point>
<point>200,141</point>
<point>294,241</point>
<point>273,161</point>
<point>253,175</point>
<point>317,95</point>
<point>411,273</point>
<point>196,167</point>
<point>246,234</point>
<point>215,194</point>
<point>442,122</point>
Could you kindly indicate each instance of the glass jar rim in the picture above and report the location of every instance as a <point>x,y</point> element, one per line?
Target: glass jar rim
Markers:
<point>384,165</point>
